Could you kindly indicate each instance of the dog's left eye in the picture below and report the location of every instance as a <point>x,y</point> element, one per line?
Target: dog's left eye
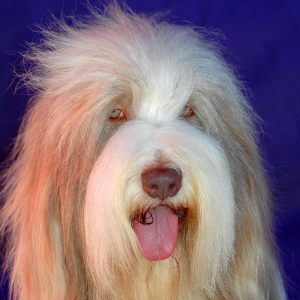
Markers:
<point>116,114</point>
<point>187,112</point>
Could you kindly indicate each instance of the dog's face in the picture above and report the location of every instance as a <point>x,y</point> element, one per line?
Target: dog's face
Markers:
<point>138,162</point>
<point>162,184</point>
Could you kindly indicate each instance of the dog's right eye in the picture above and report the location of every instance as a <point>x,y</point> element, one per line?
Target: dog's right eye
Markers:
<point>187,112</point>
<point>117,114</point>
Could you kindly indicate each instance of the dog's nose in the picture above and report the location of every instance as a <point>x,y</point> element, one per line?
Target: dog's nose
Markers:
<point>161,183</point>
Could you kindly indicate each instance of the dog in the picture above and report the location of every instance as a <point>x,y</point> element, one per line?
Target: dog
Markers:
<point>136,173</point>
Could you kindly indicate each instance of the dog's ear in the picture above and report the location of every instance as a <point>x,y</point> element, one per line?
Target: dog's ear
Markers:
<point>46,184</point>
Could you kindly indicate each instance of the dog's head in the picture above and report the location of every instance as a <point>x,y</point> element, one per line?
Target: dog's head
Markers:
<point>162,181</point>
<point>138,147</point>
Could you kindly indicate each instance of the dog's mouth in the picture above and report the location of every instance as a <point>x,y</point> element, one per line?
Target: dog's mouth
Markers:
<point>157,232</point>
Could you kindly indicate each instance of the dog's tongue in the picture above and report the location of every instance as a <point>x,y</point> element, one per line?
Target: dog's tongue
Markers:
<point>158,238</point>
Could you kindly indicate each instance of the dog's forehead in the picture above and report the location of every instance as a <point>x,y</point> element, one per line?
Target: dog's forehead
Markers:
<point>160,104</point>
<point>158,68</point>
<point>157,93</point>
<point>163,86</point>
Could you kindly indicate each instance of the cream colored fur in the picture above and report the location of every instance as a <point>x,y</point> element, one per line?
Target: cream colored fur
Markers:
<point>74,183</point>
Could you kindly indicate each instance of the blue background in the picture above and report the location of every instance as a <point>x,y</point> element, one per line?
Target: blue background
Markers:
<point>263,42</point>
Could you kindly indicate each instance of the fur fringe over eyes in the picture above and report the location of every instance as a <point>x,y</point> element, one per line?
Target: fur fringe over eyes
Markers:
<point>117,97</point>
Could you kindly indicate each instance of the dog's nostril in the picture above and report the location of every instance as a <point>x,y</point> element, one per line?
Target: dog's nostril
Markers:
<point>161,183</point>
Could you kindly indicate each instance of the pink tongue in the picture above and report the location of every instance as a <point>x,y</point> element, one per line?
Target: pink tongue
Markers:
<point>158,238</point>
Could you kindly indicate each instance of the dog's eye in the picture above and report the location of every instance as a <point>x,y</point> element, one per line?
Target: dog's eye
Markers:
<point>116,114</point>
<point>187,112</point>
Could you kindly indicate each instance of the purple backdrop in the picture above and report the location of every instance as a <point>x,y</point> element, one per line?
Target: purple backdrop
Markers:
<point>263,42</point>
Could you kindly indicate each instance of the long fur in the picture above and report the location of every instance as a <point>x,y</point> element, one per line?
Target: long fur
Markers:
<point>74,184</point>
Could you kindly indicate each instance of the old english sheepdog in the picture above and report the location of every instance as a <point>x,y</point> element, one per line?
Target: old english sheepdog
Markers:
<point>136,173</point>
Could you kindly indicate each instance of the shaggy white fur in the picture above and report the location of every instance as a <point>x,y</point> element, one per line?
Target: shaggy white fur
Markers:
<point>133,120</point>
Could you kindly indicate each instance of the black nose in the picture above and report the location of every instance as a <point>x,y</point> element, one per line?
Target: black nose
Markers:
<point>161,183</point>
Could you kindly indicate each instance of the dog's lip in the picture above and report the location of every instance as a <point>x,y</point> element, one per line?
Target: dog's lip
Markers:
<point>140,217</point>
<point>181,214</point>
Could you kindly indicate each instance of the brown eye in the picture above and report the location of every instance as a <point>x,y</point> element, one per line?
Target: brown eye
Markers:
<point>187,112</point>
<point>116,114</point>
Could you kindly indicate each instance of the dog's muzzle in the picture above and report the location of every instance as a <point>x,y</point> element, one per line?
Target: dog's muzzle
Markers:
<point>152,183</point>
